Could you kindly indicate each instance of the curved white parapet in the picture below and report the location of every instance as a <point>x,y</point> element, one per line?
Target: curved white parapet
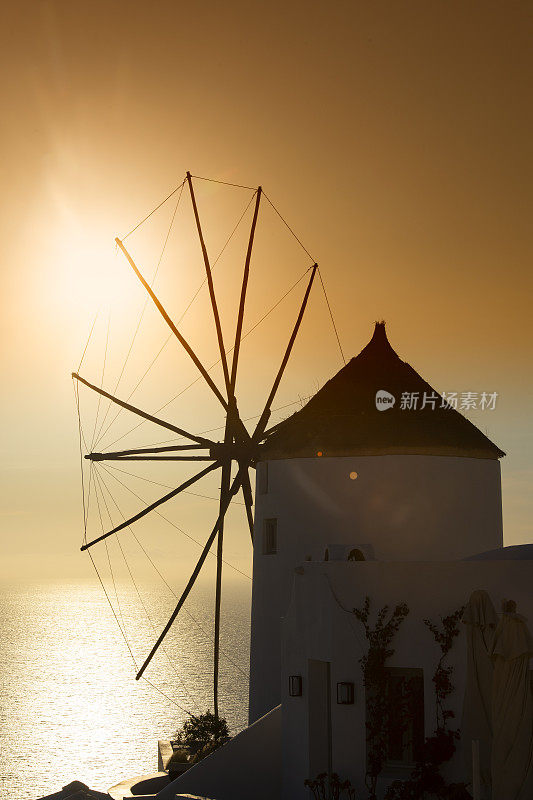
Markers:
<point>140,786</point>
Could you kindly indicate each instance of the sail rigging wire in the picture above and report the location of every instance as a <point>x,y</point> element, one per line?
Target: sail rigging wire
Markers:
<point>289,228</point>
<point>167,584</point>
<point>213,430</point>
<point>331,315</point>
<point>248,419</point>
<point>227,352</point>
<point>223,183</point>
<point>87,343</point>
<point>123,628</point>
<point>113,580</point>
<point>113,609</point>
<point>100,484</point>
<point>170,699</point>
<point>85,506</point>
<point>85,522</point>
<point>181,186</point>
<point>230,350</point>
<point>227,563</point>
<point>80,427</point>
<point>162,203</point>
<point>76,395</point>
<point>172,664</point>
<point>203,283</point>
<point>152,685</point>
<point>170,336</point>
<point>206,376</point>
<point>168,486</point>
<point>100,435</point>
<point>101,384</point>
<point>276,304</point>
<point>85,501</point>
<point>319,272</point>
<point>213,265</point>
<point>169,587</point>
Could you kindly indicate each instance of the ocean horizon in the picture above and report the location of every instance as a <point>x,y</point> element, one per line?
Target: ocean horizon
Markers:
<point>70,707</point>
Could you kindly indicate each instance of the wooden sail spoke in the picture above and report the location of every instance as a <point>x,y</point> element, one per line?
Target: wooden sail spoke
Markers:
<point>173,328</point>
<point>248,502</point>
<point>240,432</point>
<point>151,507</point>
<point>244,286</point>
<point>239,445</point>
<point>200,439</point>
<point>224,495</point>
<point>105,457</point>
<point>261,425</point>
<point>211,287</point>
<point>145,450</point>
<point>224,507</point>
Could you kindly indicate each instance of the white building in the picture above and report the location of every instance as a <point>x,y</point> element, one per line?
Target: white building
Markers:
<point>323,642</point>
<point>355,501</point>
<point>401,484</point>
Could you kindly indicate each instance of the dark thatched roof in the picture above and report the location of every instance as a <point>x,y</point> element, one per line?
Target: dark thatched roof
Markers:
<point>342,418</point>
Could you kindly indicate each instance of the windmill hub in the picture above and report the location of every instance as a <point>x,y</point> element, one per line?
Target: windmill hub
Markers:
<point>245,453</point>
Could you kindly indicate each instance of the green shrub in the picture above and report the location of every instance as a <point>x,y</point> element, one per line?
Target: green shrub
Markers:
<point>201,735</point>
<point>204,751</point>
<point>179,756</point>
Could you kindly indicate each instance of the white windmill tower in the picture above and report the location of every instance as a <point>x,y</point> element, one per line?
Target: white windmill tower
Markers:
<point>339,475</point>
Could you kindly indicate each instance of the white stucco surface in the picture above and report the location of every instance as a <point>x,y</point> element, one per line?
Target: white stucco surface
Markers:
<point>406,507</point>
<point>320,625</point>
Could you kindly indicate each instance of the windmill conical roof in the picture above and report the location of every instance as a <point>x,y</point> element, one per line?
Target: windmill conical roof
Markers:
<point>342,418</point>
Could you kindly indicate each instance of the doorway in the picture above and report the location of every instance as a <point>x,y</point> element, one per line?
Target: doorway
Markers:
<point>319,708</point>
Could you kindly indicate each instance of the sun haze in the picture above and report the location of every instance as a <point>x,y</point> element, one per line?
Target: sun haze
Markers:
<point>395,138</point>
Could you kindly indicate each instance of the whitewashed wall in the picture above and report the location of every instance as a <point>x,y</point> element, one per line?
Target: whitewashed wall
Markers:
<point>318,627</point>
<point>407,507</point>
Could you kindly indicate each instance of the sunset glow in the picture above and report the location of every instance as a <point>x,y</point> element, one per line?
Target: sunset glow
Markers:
<point>93,272</point>
<point>282,178</point>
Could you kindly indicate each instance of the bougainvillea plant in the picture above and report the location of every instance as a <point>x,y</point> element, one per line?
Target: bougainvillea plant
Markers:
<point>376,682</point>
<point>426,778</point>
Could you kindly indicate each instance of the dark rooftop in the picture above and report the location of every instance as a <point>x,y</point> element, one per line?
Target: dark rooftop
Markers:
<point>342,418</point>
<point>515,552</point>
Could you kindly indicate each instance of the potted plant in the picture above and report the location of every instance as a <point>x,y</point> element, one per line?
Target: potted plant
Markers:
<point>199,736</point>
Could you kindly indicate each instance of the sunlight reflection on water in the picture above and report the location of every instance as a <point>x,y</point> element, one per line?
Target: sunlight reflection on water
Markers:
<point>70,707</point>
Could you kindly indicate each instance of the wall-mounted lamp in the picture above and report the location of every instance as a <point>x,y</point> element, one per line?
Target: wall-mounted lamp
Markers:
<point>345,694</point>
<point>295,685</point>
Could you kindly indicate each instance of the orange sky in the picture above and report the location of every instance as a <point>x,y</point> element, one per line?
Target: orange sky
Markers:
<point>394,136</point>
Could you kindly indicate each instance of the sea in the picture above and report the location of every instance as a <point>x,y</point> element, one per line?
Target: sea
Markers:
<point>70,707</point>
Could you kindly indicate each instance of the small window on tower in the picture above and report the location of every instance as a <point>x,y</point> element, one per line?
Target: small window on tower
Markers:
<point>270,537</point>
<point>262,478</point>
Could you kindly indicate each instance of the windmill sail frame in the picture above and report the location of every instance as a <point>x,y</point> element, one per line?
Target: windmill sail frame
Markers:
<point>239,445</point>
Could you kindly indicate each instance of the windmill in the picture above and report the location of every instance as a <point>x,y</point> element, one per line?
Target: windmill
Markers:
<point>239,447</point>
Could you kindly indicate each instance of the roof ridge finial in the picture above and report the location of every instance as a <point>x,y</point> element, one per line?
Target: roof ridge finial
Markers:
<point>380,334</point>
